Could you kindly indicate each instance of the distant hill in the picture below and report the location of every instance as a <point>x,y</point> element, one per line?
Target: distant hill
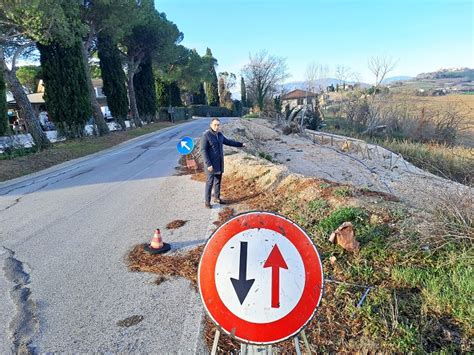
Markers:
<point>452,73</point>
<point>396,78</point>
<point>454,80</point>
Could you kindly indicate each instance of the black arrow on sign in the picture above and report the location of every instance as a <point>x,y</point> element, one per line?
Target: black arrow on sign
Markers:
<point>242,285</point>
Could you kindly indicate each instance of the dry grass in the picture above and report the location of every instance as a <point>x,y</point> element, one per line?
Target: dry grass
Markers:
<point>454,163</point>
<point>224,216</point>
<point>184,265</point>
<point>454,219</point>
<point>433,105</point>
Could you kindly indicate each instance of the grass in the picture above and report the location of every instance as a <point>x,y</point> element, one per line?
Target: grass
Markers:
<point>421,299</point>
<point>251,115</point>
<point>342,192</point>
<point>23,161</point>
<point>444,289</point>
<point>265,156</point>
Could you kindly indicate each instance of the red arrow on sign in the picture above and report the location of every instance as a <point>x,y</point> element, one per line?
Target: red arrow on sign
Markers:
<point>275,261</point>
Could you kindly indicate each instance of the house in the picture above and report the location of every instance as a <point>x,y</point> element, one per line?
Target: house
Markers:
<point>298,97</point>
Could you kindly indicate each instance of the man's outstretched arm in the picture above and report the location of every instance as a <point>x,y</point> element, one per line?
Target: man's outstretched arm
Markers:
<point>232,143</point>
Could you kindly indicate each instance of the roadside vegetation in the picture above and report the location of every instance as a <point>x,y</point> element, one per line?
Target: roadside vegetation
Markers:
<point>426,135</point>
<point>417,267</point>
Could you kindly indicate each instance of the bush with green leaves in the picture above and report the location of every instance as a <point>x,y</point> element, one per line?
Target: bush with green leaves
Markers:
<point>67,94</point>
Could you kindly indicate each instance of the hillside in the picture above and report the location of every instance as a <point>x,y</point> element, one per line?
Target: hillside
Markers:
<point>443,81</point>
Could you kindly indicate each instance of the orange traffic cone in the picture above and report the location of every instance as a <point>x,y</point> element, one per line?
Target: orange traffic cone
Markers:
<point>157,246</point>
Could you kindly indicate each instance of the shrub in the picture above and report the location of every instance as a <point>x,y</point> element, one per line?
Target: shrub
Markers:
<point>265,156</point>
<point>252,115</point>
<point>210,111</point>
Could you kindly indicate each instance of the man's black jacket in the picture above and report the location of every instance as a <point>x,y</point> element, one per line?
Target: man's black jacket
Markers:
<point>212,147</point>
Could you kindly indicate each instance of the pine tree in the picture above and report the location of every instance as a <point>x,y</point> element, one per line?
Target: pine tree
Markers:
<point>243,92</point>
<point>66,88</point>
<point>144,84</point>
<point>4,128</point>
<point>113,78</point>
<point>211,90</point>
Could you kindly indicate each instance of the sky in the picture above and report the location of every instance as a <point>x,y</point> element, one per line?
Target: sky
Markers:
<point>420,35</point>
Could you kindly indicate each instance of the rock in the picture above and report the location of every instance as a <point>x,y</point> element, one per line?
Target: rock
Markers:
<point>344,236</point>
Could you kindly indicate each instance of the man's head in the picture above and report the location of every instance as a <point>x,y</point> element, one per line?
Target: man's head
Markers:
<point>215,124</point>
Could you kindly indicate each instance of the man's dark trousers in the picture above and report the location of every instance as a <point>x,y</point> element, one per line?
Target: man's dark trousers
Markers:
<point>213,180</point>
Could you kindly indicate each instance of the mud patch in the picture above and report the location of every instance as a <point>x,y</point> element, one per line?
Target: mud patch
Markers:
<point>160,279</point>
<point>178,223</point>
<point>130,321</point>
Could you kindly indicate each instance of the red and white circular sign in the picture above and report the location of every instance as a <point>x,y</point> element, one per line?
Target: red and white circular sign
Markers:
<point>260,278</point>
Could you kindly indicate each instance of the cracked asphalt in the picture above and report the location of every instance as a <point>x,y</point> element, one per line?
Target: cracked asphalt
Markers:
<point>64,235</point>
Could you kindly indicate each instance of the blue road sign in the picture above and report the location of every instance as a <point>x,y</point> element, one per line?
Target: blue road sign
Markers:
<point>185,145</point>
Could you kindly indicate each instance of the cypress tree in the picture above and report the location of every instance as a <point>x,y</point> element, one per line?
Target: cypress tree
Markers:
<point>175,94</point>
<point>243,92</point>
<point>161,92</point>
<point>200,97</point>
<point>167,94</point>
<point>113,78</point>
<point>4,127</point>
<point>222,92</point>
<point>211,89</point>
<point>66,88</point>
<point>144,84</point>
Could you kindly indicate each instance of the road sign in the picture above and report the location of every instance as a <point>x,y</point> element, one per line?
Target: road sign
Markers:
<point>260,278</point>
<point>185,145</point>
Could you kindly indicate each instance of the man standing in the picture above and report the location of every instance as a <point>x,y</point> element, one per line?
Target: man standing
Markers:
<point>212,146</point>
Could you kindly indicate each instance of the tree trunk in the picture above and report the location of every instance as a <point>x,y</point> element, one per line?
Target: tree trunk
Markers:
<point>133,99</point>
<point>260,100</point>
<point>102,128</point>
<point>26,110</point>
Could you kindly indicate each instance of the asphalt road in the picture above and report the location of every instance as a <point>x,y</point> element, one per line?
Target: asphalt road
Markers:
<point>64,234</point>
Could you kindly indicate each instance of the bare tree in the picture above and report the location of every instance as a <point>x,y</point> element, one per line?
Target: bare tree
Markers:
<point>343,73</point>
<point>316,76</point>
<point>355,77</point>
<point>262,74</point>
<point>380,67</point>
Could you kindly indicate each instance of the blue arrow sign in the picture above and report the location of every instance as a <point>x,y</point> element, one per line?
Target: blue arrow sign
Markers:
<point>185,145</point>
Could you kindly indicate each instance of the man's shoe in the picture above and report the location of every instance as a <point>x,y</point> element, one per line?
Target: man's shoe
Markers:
<point>221,202</point>
<point>208,205</point>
